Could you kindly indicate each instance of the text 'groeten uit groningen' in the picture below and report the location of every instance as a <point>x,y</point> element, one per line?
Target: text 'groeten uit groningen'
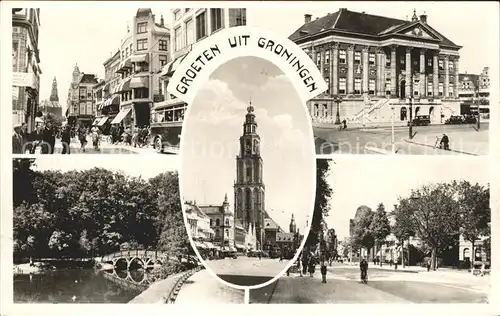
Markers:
<point>214,51</point>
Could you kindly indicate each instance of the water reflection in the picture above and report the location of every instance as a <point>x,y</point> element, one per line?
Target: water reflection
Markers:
<point>75,286</point>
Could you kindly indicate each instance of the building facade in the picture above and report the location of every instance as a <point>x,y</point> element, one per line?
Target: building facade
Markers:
<point>106,100</point>
<point>26,69</point>
<point>249,188</point>
<point>143,53</point>
<point>221,221</point>
<point>81,107</point>
<point>474,93</point>
<point>373,63</point>
<point>52,105</point>
<point>189,27</point>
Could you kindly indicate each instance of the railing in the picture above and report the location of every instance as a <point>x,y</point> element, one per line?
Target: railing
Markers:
<point>140,253</point>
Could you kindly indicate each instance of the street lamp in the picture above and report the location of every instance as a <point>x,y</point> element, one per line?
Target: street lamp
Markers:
<point>478,106</point>
<point>410,98</point>
<point>337,100</point>
<point>393,145</point>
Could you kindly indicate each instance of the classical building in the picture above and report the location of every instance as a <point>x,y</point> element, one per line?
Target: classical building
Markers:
<point>52,105</point>
<point>26,69</point>
<point>372,63</point>
<point>249,188</point>
<point>81,107</point>
<point>474,93</point>
<point>143,53</point>
<point>189,27</point>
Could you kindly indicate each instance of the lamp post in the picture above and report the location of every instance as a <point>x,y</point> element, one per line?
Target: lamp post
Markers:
<point>393,145</point>
<point>478,106</point>
<point>337,100</point>
<point>410,99</point>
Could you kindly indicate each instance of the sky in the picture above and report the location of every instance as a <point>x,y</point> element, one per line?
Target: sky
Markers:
<point>369,181</point>
<point>214,123</point>
<point>132,165</point>
<point>94,34</point>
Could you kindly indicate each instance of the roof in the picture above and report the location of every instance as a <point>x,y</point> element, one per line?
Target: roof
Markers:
<point>116,55</point>
<point>471,77</point>
<point>143,12</point>
<point>269,223</point>
<point>88,78</point>
<point>50,104</point>
<point>210,209</point>
<point>359,23</point>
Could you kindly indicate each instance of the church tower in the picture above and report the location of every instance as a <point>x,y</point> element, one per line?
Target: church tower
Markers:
<point>76,74</point>
<point>293,226</point>
<point>54,95</point>
<point>249,189</point>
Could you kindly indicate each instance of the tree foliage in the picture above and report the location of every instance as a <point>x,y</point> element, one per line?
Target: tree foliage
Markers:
<point>362,234</point>
<point>74,213</point>
<point>322,201</point>
<point>379,226</point>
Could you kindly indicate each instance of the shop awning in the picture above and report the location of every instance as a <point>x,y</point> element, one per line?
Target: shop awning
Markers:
<point>142,58</point>
<point>126,64</point>
<point>170,67</point>
<point>114,100</point>
<point>102,121</point>
<point>99,105</point>
<point>106,87</point>
<point>209,245</point>
<point>124,86</point>
<point>139,82</point>
<point>120,116</point>
<point>96,121</point>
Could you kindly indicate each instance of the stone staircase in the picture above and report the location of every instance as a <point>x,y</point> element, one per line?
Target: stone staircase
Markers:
<point>368,113</point>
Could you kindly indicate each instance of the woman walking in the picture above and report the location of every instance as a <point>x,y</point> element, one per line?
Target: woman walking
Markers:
<point>324,264</point>
<point>311,265</point>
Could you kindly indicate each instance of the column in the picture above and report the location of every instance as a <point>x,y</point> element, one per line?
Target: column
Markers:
<point>408,72</point>
<point>422,72</point>
<point>313,52</point>
<point>456,78</point>
<point>393,70</point>
<point>446,75</point>
<point>365,69</point>
<point>334,60</point>
<point>383,57</point>
<point>380,65</point>
<point>435,74</point>
<point>322,61</point>
<point>350,69</point>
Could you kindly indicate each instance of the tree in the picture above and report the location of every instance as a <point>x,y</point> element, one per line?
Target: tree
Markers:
<point>362,236</point>
<point>403,228</point>
<point>432,213</point>
<point>379,226</point>
<point>22,176</point>
<point>475,213</point>
<point>322,201</point>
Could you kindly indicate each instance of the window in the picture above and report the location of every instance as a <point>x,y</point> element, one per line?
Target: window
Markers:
<point>163,60</point>
<point>163,45</point>
<point>342,85</point>
<point>126,52</point>
<point>216,19</point>
<point>211,222</point>
<point>342,56</point>
<point>201,26</point>
<point>388,60</point>
<point>217,222</point>
<point>318,59</point>
<point>186,10</point>
<point>371,59</point>
<point>227,232</point>
<point>357,86</point>
<point>177,15</point>
<point>241,17</point>
<point>387,86</point>
<point>429,89</point>
<point>450,65</point>
<point>327,57</point>
<point>177,39</point>
<point>189,32</point>
<point>450,90</point>
<point>131,48</point>
<point>371,86</point>
<point>141,27</point>
<point>142,44</point>
<point>441,89</point>
<point>357,57</point>
<point>441,64</point>
<point>327,80</point>
<point>429,62</point>
<point>416,87</point>
<point>402,60</point>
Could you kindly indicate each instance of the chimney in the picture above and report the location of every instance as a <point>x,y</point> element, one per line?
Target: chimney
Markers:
<point>307,18</point>
<point>423,18</point>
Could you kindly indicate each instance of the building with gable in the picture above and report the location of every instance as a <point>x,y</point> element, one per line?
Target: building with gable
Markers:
<point>474,93</point>
<point>373,63</point>
<point>80,106</point>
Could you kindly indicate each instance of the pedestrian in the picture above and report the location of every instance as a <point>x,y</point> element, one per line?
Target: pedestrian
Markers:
<point>299,265</point>
<point>305,261</point>
<point>445,141</point>
<point>344,123</point>
<point>428,265</point>
<point>66,139</point>
<point>483,268</point>
<point>48,139</point>
<point>390,263</point>
<point>312,265</point>
<point>324,264</point>
<point>82,136</point>
<point>17,140</point>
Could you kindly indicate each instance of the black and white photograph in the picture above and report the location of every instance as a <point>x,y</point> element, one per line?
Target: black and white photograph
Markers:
<point>106,230</point>
<point>413,234</point>
<point>247,143</point>
<point>103,88</point>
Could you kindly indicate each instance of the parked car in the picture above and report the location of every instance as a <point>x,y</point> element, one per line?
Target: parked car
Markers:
<point>455,119</point>
<point>421,120</point>
<point>470,119</point>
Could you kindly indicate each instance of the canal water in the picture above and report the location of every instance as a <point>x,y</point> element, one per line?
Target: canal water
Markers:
<point>72,286</point>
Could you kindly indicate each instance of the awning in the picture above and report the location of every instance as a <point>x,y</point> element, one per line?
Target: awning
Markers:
<point>142,58</point>
<point>102,121</point>
<point>139,82</point>
<point>240,246</point>
<point>200,245</point>
<point>115,100</point>
<point>106,87</point>
<point>120,116</point>
<point>99,105</point>
<point>209,245</point>
<point>170,67</point>
<point>126,64</point>
<point>96,121</point>
<point>124,86</point>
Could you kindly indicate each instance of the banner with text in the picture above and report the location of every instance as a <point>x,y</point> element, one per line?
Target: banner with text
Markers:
<point>230,43</point>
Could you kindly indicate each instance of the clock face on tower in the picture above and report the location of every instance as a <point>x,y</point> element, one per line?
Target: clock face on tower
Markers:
<point>248,149</point>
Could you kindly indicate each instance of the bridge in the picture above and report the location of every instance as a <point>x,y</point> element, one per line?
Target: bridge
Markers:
<point>141,257</point>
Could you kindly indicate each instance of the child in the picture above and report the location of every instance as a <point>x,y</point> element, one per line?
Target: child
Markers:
<point>324,264</point>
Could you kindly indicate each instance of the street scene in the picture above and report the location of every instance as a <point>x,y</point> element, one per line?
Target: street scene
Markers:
<point>108,100</point>
<point>400,80</point>
<point>416,235</point>
<point>104,231</point>
<point>236,217</point>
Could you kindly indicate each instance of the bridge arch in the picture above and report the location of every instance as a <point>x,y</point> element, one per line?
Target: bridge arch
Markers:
<point>136,260</point>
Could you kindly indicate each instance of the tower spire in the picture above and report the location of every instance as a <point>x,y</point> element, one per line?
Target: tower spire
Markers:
<point>53,95</point>
<point>414,18</point>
